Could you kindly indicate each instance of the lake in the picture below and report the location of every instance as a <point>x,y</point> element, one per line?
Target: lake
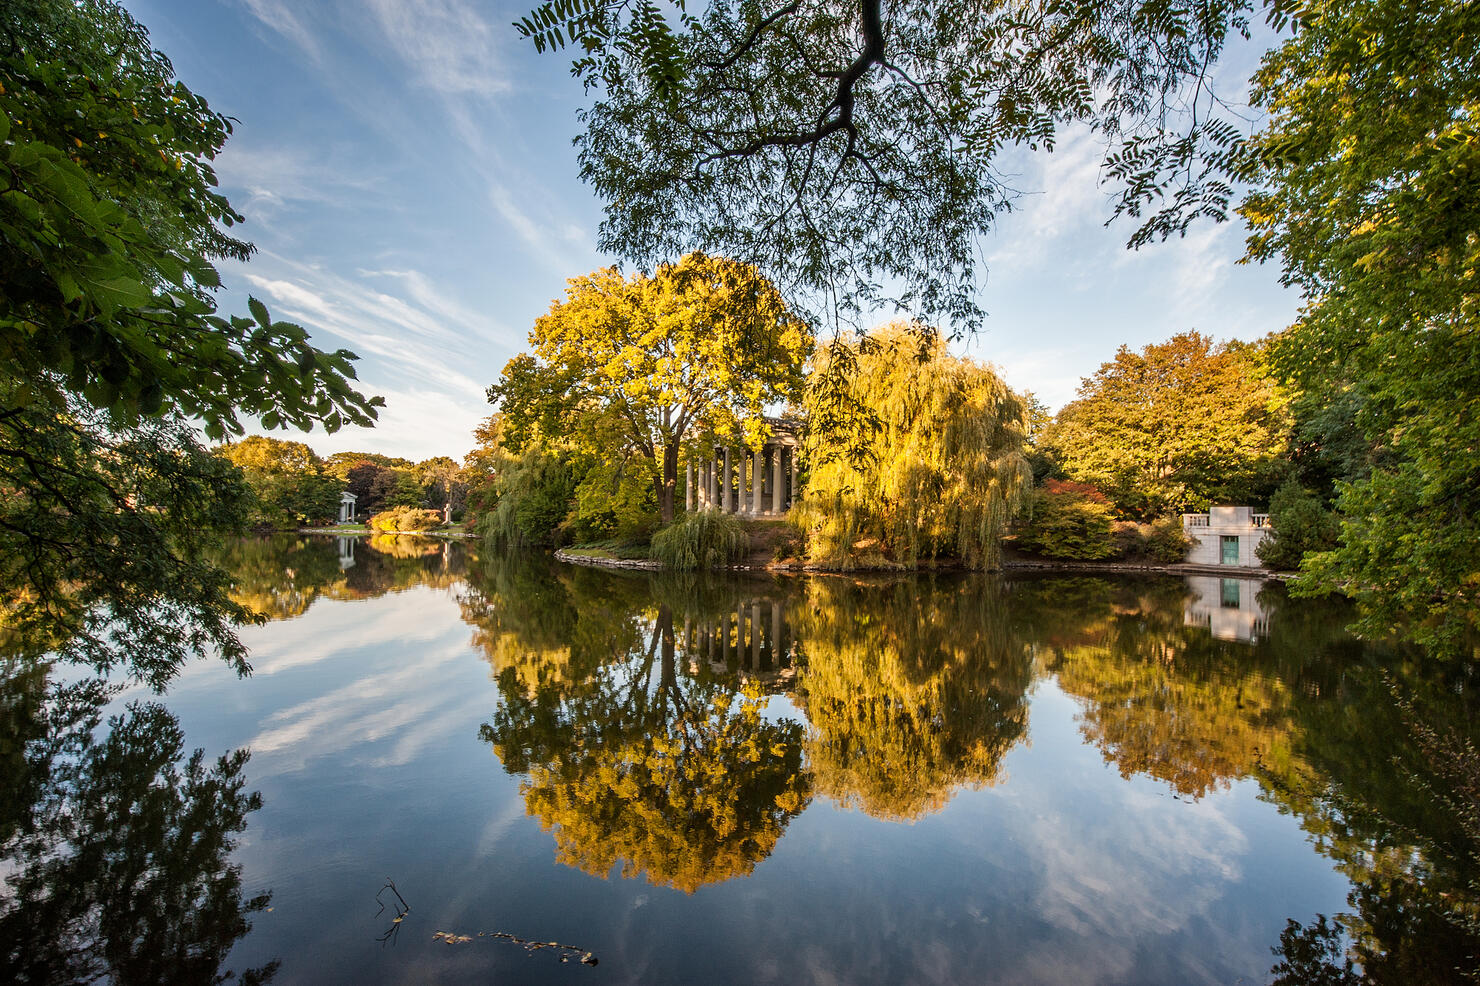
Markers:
<point>482,767</point>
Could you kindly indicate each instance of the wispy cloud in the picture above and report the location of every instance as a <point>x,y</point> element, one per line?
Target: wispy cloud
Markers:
<point>446,44</point>
<point>281,17</point>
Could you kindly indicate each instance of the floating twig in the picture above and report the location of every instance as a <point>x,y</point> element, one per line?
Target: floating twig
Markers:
<point>399,905</point>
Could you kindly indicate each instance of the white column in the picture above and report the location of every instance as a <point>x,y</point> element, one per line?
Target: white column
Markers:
<point>724,485</point>
<point>791,501</point>
<point>776,479</point>
<point>757,474</point>
<point>688,485</point>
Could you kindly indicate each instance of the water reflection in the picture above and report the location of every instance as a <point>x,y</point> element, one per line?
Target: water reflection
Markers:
<point>670,729</point>
<point>115,843</point>
<point>632,753</point>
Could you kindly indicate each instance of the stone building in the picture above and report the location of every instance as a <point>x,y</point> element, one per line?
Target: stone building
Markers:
<point>1226,536</point>
<point>760,482</point>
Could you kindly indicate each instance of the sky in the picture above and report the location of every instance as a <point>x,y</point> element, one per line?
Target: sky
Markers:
<point>408,179</point>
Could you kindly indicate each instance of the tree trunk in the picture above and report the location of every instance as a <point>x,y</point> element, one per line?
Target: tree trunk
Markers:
<point>668,483</point>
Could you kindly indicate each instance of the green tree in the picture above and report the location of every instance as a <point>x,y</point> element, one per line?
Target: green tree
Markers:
<point>1068,520</point>
<point>1299,525</point>
<point>1178,425</point>
<point>287,480</point>
<point>110,340</point>
<point>1369,196</point>
<point>930,464</point>
<point>630,368</point>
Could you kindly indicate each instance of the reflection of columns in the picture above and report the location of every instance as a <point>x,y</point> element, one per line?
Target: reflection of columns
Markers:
<point>739,635</point>
<point>755,636</point>
<point>724,485</point>
<point>776,633</point>
<point>688,486</point>
<point>776,480</point>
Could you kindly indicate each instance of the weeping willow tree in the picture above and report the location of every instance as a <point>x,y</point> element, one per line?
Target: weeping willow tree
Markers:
<point>922,461</point>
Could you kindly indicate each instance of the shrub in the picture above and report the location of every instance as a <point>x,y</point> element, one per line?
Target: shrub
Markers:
<point>1299,525</point>
<point>406,519</point>
<point>705,539</point>
<point>1068,520</point>
<point>1166,542</point>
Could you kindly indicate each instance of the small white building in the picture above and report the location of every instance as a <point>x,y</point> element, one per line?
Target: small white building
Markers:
<point>347,507</point>
<point>1226,536</point>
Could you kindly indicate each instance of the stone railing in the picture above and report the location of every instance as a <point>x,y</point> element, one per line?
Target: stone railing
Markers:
<point>1195,520</point>
<point>1260,520</point>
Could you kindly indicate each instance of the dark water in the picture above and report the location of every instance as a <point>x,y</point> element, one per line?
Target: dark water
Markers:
<point>724,779</point>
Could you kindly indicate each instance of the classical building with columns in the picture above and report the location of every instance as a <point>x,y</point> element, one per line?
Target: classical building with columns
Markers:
<point>760,482</point>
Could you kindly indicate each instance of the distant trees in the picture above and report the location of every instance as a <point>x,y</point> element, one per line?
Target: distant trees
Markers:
<point>929,466</point>
<point>293,486</point>
<point>1178,425</point>
<point>287,480</point>
<point>628,369</point>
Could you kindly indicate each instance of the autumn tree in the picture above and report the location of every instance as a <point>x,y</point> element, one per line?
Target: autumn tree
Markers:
<point>632,367</point>
<point>1177,425</point>
<point>928,464</point>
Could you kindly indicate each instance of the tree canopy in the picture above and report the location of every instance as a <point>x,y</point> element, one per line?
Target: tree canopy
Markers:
<point>1177,425</point>
<point>111,346</point>
<point>850,148</point>
<point>1369,196</point>
<point>631,367</point>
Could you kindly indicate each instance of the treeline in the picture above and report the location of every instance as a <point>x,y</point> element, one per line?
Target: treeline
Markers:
<point>1174,427</point>
<point>291,485</point>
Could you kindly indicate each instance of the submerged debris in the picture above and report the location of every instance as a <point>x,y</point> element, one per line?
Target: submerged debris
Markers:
<point>569,951</point>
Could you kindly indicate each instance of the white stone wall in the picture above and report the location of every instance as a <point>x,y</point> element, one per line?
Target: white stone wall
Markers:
<point>1207,547</point>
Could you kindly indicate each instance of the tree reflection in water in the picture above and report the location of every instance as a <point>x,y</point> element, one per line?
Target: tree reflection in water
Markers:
<point>634,708</point>
<point>116,845</point>
<point>912,690</point>
<point>632,755</point>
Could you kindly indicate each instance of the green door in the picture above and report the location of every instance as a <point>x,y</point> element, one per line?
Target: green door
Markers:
<point>1230,549</point>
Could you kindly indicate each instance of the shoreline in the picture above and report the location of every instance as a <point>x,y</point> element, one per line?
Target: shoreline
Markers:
<point>1008,565</point>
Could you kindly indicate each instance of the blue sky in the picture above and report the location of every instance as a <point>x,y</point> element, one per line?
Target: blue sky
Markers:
<point>406,172</point>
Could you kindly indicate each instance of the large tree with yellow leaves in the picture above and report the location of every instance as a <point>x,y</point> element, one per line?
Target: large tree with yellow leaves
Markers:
<point>635,366</point>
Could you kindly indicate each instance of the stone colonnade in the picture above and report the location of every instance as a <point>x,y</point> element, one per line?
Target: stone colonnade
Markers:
<point>760,483</point>
<point>754,639</point>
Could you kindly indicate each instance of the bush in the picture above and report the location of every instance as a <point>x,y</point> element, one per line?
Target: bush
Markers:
<point>406,519</point>
<point>1299,525</point>
<point>705,539</point>
<point>1166,542</point>
<point>1068,520</point>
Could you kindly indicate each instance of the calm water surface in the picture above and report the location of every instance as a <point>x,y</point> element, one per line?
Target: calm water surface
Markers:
<point>723,779</point>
